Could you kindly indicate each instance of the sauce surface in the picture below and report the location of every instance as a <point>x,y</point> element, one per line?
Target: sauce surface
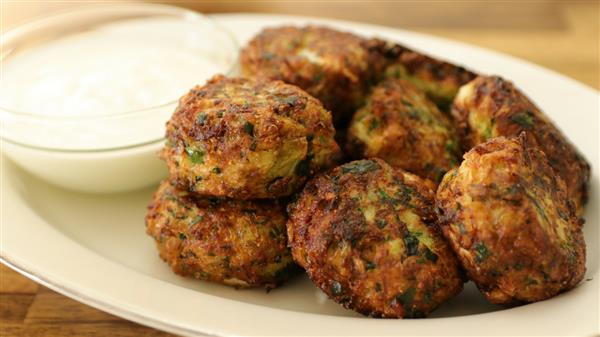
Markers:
<point>114,68</point>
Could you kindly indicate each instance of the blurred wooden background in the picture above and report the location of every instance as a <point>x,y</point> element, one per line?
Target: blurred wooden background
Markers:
<point>560,35</point>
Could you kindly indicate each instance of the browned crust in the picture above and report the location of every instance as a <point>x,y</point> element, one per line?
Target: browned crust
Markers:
<point>507,217</point>
<point>403,127</point>
<point>348,230</point>
<point>238,243</point>
<point>439,79</point>
<point>335,67</point>
<point>247,139</point>
<point>510,112</point>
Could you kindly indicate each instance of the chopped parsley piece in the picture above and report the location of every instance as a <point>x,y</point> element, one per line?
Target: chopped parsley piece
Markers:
<point>360,166</point>
<point>201,118</point>
<point>291,100</point>
<point>406,298</point>
<point>431,256</point>
<point>523,119</point>
<point>216,170</point>
<point>182,236</point>
<point>378,287</point>
<point>196,156</point>
<point>370,265</point>
<point>481,252</point>
<point>531,281</point>
<point>488,132</point>
<point>303,167</point>
<point>411,243</point>
<point>452,147</point>
<point>461,228</point>
<point>249,128</point>
<point>381,223</point>
<point>194,221</point>
<point>374,124</point>
<point>386,197</point>
<point>336,288</point>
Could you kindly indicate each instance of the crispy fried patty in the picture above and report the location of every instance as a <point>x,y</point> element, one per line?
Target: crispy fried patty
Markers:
<point>491,106</point>
<point>237,243</point>
<point>247,139</point>
<point>367,235</point>
<point>400,125</point>
<point>507,217</point>
<point>335,67</point>
<point>438,79</point>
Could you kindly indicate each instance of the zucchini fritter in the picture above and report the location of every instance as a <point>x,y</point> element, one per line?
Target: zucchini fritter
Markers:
<point>367,235</point>
<point>506,215</point>
<point>438,79</point>
<point>335,67</point>
<point>237,243</point>
<point>490,107</point>
<point>400,125</point>
<point>247,139</point>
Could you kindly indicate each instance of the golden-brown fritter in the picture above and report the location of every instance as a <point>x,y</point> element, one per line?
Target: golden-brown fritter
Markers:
<point>247,139</point>
<point>367,235</point>
<point>400,125</point>
<point>490,106</point>
<point>335,67</point>
<point>237,243</point>
<point>506,215</point>
<point>438,79</point>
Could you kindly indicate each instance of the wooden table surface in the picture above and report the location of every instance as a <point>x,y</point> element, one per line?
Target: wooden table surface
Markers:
<point>562,36</point>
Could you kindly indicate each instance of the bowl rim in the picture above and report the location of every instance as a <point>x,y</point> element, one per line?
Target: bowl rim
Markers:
<point>41,21</point>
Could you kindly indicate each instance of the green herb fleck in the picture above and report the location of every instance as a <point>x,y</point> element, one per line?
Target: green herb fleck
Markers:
<point>374,124</point>
<point>201,118</point>
<point>216,170</point>
<point>360,166</point>
<point>531,281</point>
<point>452,147</point>
<point>378,287</point>
<point>481,252</point>
<point>523,119</point>
<point>274,232</point>
<point>406,298</point>
<point>249,129</point>
<point>182,236</point>
<point>370,265</point>
<point>196,156</point>
<point>386,197</point>
<point>411,243</point>
<point>291,100</point>
<point>461,228</point>
<point>303,167</point>
<point>336,288</point>
<point>431,256</point>
<point>488,132</point>
<point>427,296</point>
<point>195,220</point>
<point>381,223</point>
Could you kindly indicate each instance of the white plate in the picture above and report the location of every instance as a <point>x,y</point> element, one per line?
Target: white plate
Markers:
<point>94,248</point>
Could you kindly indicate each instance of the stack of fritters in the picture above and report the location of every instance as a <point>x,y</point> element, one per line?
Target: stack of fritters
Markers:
<point>371,233</point>
<point>233,147</point>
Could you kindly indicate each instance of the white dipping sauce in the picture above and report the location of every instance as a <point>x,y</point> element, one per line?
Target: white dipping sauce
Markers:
<point>114,68</point>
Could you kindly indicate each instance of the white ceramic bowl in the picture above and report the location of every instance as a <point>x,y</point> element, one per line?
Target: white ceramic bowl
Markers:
<point>114,151</point>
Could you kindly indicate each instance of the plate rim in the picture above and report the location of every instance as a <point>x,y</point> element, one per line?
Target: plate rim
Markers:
<point>149,320</point>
